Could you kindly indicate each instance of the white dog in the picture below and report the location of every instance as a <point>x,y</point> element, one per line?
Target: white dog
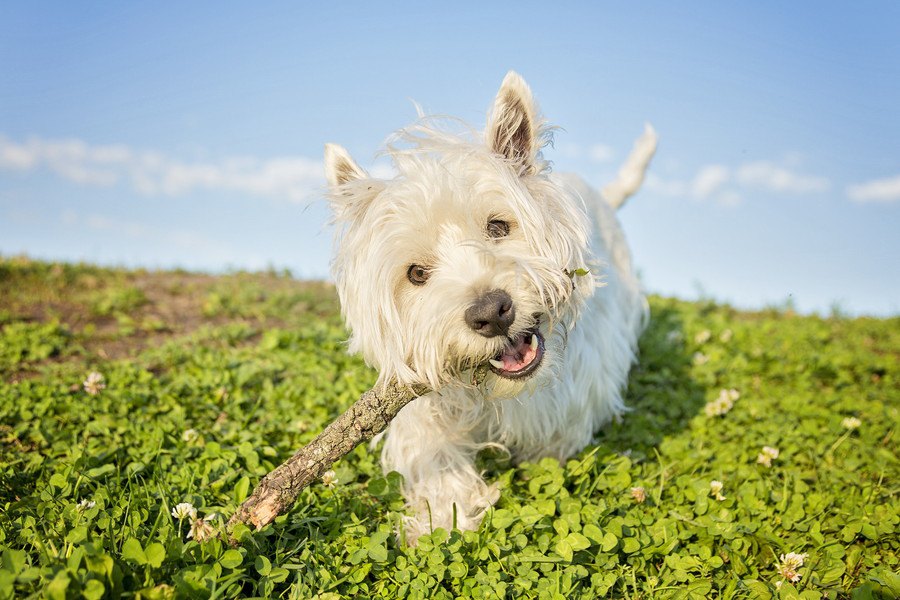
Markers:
<point>475,256</point>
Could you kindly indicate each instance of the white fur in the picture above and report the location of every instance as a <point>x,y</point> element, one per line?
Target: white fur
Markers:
<point>434,213</point>
<point>631,175</point>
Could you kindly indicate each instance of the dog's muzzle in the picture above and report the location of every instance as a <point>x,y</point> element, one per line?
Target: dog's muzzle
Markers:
<point>491,315</point>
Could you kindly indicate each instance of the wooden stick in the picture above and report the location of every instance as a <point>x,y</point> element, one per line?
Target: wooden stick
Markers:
<point>366,418</point>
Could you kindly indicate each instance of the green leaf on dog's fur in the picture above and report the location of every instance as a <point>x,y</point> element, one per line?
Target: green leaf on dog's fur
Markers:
<point>579,272</point>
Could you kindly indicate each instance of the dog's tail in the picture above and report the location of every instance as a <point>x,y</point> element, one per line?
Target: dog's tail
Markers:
<point>631,175</point>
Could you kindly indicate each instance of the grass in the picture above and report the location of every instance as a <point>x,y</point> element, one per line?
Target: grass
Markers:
<point>208,383</point>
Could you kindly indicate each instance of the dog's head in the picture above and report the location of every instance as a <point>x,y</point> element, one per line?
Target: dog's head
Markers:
<point>468,257</point>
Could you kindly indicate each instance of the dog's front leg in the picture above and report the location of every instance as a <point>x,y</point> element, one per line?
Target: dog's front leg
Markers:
<point>436,457</point>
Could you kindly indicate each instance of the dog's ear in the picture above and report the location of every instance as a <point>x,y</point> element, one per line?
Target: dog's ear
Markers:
<point>352,190</point>
<point>512,129</point>
<point>340,167</point>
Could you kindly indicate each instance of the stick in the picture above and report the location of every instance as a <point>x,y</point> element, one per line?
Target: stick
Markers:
<point>366,418</point>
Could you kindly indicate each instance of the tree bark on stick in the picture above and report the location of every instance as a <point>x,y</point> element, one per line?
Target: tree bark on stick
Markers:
<point>366,418</point>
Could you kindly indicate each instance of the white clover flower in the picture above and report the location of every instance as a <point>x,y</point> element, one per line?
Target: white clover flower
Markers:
<point>716,408</point>
<point>703,336</point>
<point>722,404</point>
<point>726,336</point>
<point>674,336</point>
<point>86,504</point>
<point>184,510</point>
<point>767,455</point>
<point>790,562</point>
<point>201,530</point>
<point>700,359</point>
<point>190,435</point>
<point>328,479</point>
<point>793,559</point>
<point>715,489</point>
<point>851,423</point>
<point>94,383</point>
<point>639,494</point>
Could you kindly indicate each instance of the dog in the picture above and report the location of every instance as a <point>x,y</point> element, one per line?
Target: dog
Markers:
<point>507,290</point>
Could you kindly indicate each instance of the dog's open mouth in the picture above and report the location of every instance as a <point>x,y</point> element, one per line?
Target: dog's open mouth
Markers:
<point>521,357</point>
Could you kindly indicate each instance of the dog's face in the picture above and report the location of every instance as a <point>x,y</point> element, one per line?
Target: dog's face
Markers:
<point>466,258</point>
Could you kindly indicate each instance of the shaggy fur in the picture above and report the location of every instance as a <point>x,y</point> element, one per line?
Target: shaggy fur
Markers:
<point>467,219</point>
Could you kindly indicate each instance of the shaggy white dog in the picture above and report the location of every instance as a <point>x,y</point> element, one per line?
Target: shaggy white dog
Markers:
<point>474,257</point>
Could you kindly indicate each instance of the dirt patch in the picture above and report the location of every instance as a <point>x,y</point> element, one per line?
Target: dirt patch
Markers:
<point>114,314</point>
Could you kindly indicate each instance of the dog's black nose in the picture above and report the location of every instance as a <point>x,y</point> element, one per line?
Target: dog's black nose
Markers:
<point>492,314</point>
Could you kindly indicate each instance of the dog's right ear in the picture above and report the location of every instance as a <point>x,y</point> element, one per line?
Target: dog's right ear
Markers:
<point>352,190</point>
<point>340,167</point>
<point>513,129</point>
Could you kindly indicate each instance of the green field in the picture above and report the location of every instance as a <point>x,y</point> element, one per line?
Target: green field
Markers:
<point>209,382</point>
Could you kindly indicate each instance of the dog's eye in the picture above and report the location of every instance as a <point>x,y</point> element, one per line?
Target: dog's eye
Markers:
<point>497,228</point>
<point>417,274</point>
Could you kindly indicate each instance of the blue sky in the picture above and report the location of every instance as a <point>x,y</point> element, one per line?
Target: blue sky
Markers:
<point>190,134</point>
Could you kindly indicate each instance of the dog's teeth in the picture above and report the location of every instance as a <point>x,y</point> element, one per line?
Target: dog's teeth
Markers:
<point>534,341</point>
<point>497,363</point>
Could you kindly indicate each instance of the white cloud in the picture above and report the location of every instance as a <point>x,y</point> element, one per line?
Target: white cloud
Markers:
<point>295,178</point>
<point>77,173</point>
<point>769,176</point>
<point>877,190</point>
<point>709,179</point>
<point>601,153</point>
<point>727,186</point>
<point>665,187</point>
<point>14,157</point>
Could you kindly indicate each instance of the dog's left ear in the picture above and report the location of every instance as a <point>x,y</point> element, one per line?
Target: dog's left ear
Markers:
<point>512,129</point>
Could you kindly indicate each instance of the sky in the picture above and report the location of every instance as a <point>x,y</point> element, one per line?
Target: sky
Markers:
<point>190,134</point>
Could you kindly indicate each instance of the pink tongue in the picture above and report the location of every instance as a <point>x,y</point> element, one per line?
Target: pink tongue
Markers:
<point>519,356</point>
